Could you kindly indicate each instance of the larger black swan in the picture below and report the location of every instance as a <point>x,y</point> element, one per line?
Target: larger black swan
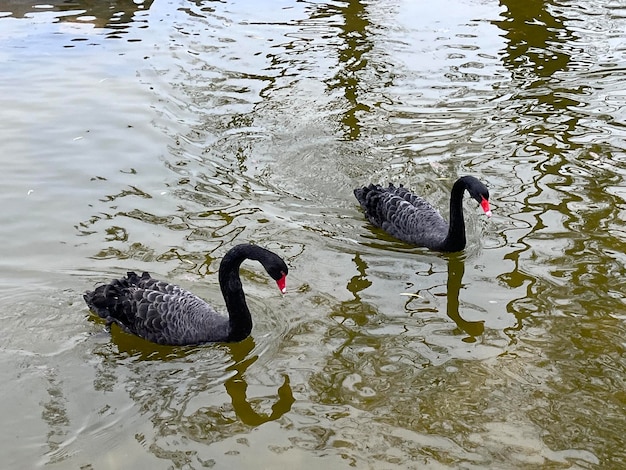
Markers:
<point>167,314</point>
<point>413,220</point>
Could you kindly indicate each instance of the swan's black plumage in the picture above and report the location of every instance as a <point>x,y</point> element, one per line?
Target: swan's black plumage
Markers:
<point>411,219</point>
<point>167,314</point>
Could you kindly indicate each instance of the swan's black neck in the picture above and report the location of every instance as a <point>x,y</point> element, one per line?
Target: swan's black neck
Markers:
<point>240,320</point>
<point>455,240</point>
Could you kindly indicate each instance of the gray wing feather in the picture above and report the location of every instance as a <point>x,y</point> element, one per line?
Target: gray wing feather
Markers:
<point>403,215</point>
<point>176,318</point>
<point>158,311</point>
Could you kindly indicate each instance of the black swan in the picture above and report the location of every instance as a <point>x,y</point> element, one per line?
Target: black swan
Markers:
<point>167,314</point>
<point>413,220</point>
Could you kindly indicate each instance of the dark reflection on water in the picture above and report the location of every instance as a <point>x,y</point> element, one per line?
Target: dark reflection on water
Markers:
<point>375,358</point>
<point>456,269</point>
<point>355,310</point>
<point>55,414</point>
<point>535,36</point>
<point>569,257</point>
<point>352,55</point>
<point>570,210</point>
<point>114,16</point>
<point>166,381</point>
<point>236,387</point>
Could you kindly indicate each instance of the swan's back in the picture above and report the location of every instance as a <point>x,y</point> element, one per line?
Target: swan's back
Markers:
<point>157,311</point>
<point>403,215</point>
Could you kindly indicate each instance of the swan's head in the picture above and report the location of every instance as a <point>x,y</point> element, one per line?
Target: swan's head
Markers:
<point>278,271</point>
<point>479,192</point>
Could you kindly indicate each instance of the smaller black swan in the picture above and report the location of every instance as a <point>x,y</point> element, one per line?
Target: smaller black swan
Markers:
<point>167,314</point>
<point>413,220</point>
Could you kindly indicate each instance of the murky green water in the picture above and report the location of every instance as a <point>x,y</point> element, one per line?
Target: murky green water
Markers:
<point>155,135</point>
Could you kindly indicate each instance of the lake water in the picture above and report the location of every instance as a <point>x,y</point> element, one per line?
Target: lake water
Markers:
<point>154,135</point>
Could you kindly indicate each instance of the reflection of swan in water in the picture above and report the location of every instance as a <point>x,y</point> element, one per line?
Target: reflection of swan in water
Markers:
<point>456,269</point>
<point>236,386</point>
<point>356,309</point>
<point>360,312</point>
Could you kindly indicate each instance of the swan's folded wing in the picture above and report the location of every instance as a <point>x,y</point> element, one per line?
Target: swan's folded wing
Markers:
<point>404,215</point>
<point>415,222</point>
<point>173,319</point>
<point>145,281</point>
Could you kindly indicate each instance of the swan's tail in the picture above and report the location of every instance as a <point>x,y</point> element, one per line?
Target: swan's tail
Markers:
<point>377,202</point>
<point>367,195</point>
<point>364,193</point>
<point>109,301</point>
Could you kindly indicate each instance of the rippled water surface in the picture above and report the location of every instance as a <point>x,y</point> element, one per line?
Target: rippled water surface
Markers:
<point>155,135</point>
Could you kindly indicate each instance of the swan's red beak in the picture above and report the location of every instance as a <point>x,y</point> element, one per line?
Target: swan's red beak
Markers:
<point>282,284</point>
<point>485,205</point>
